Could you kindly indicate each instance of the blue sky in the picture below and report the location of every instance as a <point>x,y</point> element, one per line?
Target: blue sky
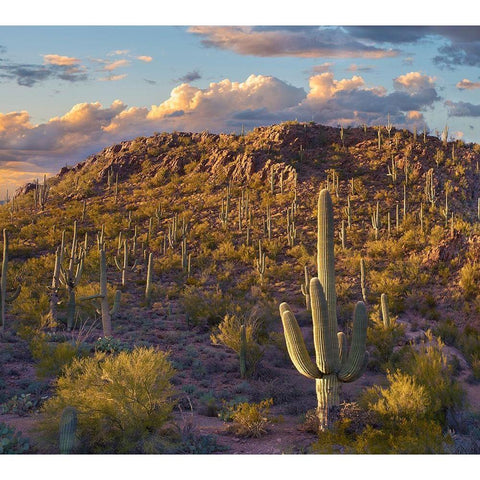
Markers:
<point>68,91</point>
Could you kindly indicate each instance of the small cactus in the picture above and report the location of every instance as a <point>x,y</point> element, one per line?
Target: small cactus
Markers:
<point>385,314</point>
<point>67,430</point>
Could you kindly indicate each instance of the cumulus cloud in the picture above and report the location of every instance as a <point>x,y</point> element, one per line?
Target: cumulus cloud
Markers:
<point>308,42</point>
<point>145,58</point>
<point>466,84</point>
<point>221,106</point>
<point>414,82</point>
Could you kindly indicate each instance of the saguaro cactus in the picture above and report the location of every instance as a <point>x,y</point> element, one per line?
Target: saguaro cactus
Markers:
<point>67,430</point>
<point>384,306</point>
<point>332,365</point>
<point>4,297</point>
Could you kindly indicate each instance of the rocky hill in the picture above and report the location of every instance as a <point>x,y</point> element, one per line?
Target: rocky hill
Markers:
<point>203,204</point>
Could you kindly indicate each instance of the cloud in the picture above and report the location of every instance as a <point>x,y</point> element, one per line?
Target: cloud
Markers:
<point>225,105</point>
<point>466,84</point>
<point>359,68</point>
<point>110,66</point>
<point>118,52</point>
<point>324,67</point>
<point>462,109</point>
<point>414,82</point>
<point>459,45</point>
<point>55,67</point>
<point>113,78</point>
<point>144,58</point>
<point>61,60</point>
<point>150,82</point>
<point>189,77</point>
<point>307,42</point>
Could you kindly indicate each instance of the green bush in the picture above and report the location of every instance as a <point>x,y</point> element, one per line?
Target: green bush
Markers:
<point>121,400</point>
<point>52,358</point>
<point>228,334</point>
<point>251,419</point>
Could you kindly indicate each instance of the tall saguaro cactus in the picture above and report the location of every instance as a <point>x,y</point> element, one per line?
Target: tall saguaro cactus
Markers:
<point>4,297</point>
<point>332,364</point>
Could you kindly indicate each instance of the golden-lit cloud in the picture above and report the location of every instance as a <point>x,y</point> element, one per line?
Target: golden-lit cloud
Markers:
<point>145,58</point>
<point>225,97</point>
<point>414,115</point>
<point>413,82</point>
<point>61,60</point>
<point>466,84</point>
<point>225,106</point>
<point>110,66</point>
<point>324,86</point>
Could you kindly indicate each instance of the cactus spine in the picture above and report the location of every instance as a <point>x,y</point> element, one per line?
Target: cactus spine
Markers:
<point>4,298</point>
<point>67,430</point>
<point>332,365</point>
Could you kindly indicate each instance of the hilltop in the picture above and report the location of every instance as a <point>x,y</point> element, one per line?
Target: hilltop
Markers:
<point>200,203</point>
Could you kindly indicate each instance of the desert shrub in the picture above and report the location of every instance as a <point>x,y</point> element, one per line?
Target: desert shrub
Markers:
<point>110,345</point>
<point>228,334</point>
<point>447,331</point>
<point>468,281</point>
<point>52,358</point>
<point>12,441</point>
<point>205,306</point>
<point>403,412</point>
<point>383,338</point>
<point>20,405</point>
<point>121,400</point>
<point>430,367</point>
<point>251,419</point>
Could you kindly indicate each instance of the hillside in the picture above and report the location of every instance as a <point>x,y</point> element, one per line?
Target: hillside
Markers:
<point>200,203</point>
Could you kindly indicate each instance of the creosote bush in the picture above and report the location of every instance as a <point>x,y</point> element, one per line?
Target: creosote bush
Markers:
<point>229,334</point>
<point>121,400</point>
<point>251,419</point>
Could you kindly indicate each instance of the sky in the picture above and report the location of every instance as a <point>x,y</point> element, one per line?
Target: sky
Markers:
<point>68,89</point>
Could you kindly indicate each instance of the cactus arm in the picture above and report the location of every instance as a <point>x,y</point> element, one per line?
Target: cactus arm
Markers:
<point>326,348</point>
<point>296,345</point>
<point>352,368</point>
<point>117,264</point>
